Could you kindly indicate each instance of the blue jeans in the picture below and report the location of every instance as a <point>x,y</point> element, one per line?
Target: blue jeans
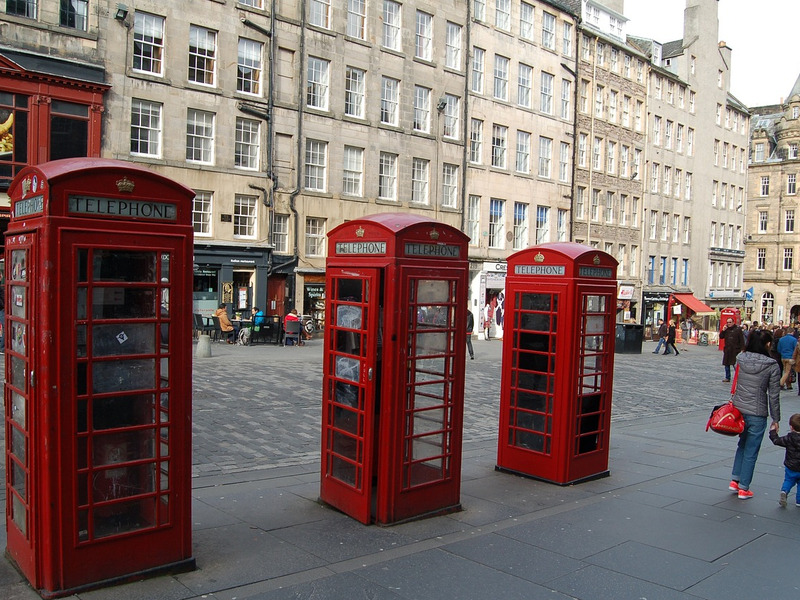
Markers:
<point>662,342</point>
<point>744,463</point>
<point>727,371</point>
<point>790,479</point>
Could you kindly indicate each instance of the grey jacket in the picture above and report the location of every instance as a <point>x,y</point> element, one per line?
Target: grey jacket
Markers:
<point>758,386</point>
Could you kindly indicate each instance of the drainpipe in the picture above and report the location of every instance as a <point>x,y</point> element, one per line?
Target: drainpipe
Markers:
<point>465,123</point>
<point>576,84</point>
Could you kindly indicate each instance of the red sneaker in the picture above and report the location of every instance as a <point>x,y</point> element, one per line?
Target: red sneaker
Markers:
<point>745,494</point>
<point>733,486</point>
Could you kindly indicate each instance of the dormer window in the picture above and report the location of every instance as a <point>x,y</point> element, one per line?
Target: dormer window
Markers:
<point>795,112</point>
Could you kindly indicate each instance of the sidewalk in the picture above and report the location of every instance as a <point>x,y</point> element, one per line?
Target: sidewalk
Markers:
<point>662,526</point>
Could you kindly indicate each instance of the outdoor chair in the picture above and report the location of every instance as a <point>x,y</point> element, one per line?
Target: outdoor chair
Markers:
<point>200,326</point>
<point>292,329</point>
<point>218,333</point>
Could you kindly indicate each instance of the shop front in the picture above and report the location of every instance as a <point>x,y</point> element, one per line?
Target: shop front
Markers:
<point>655,308</point>
<point>235,275</point>
<point>487,297</point>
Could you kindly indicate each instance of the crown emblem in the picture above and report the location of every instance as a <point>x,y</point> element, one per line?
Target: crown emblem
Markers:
<point>360,231</point>
<point>26,186</point>
<point>596,259</point>
<point>125,184</point>
<point>539,257</point>
<point>434,234</point>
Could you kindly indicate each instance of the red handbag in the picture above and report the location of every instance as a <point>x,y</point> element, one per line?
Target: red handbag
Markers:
<point>726,418</point>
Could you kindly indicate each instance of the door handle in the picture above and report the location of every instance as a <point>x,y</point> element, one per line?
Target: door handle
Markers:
<point>369,374</point>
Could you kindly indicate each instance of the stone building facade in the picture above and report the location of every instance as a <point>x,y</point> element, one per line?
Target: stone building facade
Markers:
<point>773,238</point>
<point>518,121</point>
<point>695,172</point>
<point>610,143</point>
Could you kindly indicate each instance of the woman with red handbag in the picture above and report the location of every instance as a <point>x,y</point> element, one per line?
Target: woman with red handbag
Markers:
<point>757,396</point>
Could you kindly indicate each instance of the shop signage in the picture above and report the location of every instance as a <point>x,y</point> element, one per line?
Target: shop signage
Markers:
<point>625,292</point>
<point>112,207</point>
<point>495,266</point>
<point>360,247</point>
<point>442,250</point>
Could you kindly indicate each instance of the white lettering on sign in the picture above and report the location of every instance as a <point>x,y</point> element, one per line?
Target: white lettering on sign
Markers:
<point>558,270</point>
<point>88,205</point>
<point>443,250</point>
<point>29,206</point>
<point>595,272</point>
<point>360,247</point>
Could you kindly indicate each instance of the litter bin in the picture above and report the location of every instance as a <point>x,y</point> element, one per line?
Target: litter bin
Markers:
<point>629,338</point>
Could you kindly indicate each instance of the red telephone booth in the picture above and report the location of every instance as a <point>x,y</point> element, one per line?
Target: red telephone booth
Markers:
<point>98,374</point>
<point>558,363</point>
<point>393,387</point>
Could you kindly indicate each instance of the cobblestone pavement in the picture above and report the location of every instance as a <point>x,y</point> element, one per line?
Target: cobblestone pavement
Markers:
<point>258,407</point>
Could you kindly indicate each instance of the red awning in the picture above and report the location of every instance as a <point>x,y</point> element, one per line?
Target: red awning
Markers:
<point>693,303</point>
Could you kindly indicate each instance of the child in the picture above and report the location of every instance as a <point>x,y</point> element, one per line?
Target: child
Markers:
<point>790,441</point>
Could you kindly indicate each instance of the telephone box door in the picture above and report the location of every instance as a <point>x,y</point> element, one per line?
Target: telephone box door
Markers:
<point>126,425</point>
<point>430,407</point>
<point>533,355</point>
<point>349,416</point>
<point>20,412</point>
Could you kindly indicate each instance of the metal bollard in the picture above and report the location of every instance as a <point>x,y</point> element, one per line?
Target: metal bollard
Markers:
<point>203,346</point>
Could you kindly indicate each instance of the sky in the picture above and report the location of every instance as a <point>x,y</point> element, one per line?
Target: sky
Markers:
<point>762,36</point>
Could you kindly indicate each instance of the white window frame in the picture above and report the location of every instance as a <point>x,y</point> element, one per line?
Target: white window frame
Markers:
<point>523,160</point>
<point>392,23</point>
<point>390,101</point>
<point>450,185</point>
<point>422,109</point>
<point>202,56</point>
<point>199,136</point>
<point>316,166</point>
<point>499,146</point>
<point>249,67</point>
<point>319,13</point>
<point>387,176</point>
<point>247,144</point>
<point>501,77</point>
<point>146,128</point>
<point>423,39</point>
<point>420,181</point>
<point>520,226</point>
<point>545,157</point>
<point>317,83</point>
<point>202,211</point>
<point>453,42</point>
<point>148,43</point>
<point>245,211</point>
<point>353,171</point>
<point>354,92</point>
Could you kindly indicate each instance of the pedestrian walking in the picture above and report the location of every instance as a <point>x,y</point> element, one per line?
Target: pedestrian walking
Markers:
<point>757,396</point>
<point>734,344</point>
<point>686,333</point>
<point>786,346</point>
<point>671,339</point>
<point>488,313</point>
<point>791,461</point>
<point>662,336</point>
<point>470,328</point>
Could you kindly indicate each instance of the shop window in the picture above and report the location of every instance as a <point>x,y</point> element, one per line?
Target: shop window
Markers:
<point>69,129</point>
<point>13,134</point>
